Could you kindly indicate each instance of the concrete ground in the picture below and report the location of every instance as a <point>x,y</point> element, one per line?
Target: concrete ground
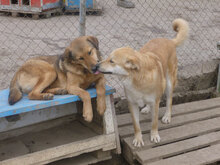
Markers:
<point>22,38</point>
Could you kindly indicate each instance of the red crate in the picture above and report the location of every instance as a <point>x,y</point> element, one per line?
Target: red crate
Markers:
<point>29,6</point>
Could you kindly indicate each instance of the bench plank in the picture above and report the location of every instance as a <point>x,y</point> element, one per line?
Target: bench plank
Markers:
<point>26,105</point>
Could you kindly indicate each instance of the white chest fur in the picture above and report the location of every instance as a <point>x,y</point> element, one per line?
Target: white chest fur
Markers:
<point>141,97</point>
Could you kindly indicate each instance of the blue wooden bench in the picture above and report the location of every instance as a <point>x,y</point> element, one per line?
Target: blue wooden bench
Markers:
<point>56,125</point>
<point>26,105</point>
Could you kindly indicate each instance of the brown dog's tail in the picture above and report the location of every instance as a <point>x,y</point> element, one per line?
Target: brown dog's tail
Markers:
<point>182,29</point>
<point>15,93</point>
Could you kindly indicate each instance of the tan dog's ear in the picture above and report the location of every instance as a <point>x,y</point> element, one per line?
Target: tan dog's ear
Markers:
<point>67,55</point>
<point>132,63</point>
<point>94,41</point>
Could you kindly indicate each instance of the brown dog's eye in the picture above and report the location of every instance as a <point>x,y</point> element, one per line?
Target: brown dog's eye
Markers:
<point>90,52</point>
<point>81,58</point>
<point>111,61</point>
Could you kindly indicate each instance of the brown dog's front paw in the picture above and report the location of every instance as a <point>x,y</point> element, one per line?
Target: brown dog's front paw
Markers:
<point>48,96</point>
<point>88,115</point>
<point>101,108</point>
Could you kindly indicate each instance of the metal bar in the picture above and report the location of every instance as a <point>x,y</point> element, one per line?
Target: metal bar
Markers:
<point>218,76</point>
<point>218,81</point>
<point>82,15</point>
<point>218,45</point>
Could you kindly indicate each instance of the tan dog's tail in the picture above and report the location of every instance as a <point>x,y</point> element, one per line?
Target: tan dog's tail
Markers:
<point>15,93</point>
<point>182,29</point>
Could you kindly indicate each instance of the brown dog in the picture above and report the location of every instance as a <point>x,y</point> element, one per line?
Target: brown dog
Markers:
<point>72,73</point>
<point>146,74</point>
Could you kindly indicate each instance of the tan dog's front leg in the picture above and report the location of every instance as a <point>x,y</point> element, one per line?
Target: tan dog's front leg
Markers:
<point>100,88</point>
<point>73,88</point>
<point>134,110</point>
<point>154,130</point>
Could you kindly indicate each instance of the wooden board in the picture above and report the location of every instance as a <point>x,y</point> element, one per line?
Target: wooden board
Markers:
<point>32,13</point>
<point>126,131</point>
<point>83,159</point>
<point>203,156</point>
<point>125,119</point>
<point>45,146</point>
<point>195,127</point>
<point>176,148</point>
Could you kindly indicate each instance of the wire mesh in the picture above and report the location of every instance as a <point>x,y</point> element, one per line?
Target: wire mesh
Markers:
<point>23,37</point>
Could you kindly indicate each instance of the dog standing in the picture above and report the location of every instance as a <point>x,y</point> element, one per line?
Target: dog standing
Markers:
<point>72,72</point>
<point>146,75</point>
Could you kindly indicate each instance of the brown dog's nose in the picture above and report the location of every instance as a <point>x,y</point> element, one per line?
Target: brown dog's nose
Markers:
<point>95,68</point>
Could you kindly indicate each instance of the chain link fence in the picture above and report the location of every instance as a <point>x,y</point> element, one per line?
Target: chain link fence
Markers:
<point>22,37</point>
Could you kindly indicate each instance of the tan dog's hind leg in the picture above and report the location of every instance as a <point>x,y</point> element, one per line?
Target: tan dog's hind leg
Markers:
<point>169,94</point>
<point>100,88</point>
<point>171,79</point>
<point>154,130</point>
<point>43,82</point>
<point>134,110</point>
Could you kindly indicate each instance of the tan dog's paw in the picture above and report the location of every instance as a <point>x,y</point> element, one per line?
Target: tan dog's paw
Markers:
<point>48,96</point>
<point>155,137</point>
<point>146,109</point>
<point>138,141</point>
<point>166,118</point>
<point>101,107</point>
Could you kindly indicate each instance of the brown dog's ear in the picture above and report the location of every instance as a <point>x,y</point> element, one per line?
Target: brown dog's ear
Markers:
<point>132,63</point>
<point>67,55</point>
<point>94,41</point>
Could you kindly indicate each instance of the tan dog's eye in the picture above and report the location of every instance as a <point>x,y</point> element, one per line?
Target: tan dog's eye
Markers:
<point>90,52</point>
<point>111,61</point>
<point>81,58</point>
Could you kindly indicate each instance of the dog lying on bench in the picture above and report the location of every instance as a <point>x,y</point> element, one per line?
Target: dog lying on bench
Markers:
<point>70,73</point>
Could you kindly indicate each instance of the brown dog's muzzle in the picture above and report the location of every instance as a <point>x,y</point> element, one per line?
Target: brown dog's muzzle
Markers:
<point>95,69</point>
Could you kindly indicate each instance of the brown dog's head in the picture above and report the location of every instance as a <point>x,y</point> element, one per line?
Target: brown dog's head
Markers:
<point>83,52</point>
<point>122,61</point>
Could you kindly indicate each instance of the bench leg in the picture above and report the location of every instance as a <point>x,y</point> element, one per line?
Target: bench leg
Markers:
<point>110,122</point>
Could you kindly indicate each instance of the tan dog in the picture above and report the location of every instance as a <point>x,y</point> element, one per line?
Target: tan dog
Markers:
<point>72,73</point>
<point>146,74</point>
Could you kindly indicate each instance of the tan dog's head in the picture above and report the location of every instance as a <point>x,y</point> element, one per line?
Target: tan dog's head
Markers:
<point>121,61</point>
<point>83,52</point>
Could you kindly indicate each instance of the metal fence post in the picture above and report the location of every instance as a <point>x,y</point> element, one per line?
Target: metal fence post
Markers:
<point>82,15</point>
<point>218,78</point>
